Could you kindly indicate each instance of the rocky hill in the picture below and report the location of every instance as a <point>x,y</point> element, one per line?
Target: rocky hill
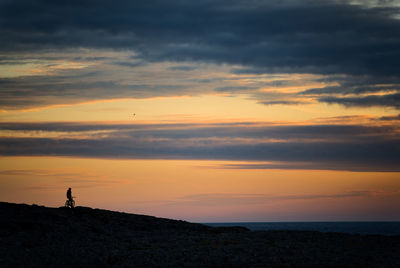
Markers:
<point>36,236</point>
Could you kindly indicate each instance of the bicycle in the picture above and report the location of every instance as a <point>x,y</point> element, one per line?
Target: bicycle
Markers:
<point>70,203</point>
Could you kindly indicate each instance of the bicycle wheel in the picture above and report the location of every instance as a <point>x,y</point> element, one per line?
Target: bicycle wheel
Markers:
<point>67,203</point>
<point>72,203</point>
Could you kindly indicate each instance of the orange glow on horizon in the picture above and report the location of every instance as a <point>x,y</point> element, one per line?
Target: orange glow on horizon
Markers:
<point>194,190</point>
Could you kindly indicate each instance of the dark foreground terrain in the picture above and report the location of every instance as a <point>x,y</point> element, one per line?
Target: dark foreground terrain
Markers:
<point>35,236</point>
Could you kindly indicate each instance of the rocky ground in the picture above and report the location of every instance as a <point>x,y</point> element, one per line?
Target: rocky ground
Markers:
<point>36,236</point>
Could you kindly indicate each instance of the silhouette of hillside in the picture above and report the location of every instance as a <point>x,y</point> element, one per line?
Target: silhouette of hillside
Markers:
<point>37,236</point>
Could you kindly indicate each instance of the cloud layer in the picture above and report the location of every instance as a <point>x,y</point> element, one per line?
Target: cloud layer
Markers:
<point>257,199</point>
<point>294,36</point>
<point>291,53</point>
<point>355,46</point>
<point>337,147</point>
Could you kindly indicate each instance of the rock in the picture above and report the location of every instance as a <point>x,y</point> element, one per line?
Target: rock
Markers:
<point>36,236</point>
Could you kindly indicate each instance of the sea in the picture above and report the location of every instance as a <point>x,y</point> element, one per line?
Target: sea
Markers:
<point>363,228</point>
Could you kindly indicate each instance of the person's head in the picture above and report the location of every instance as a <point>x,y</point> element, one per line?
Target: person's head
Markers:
<point>69,188</point>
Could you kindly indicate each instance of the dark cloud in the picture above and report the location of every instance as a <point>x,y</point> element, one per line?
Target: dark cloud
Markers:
<point>364,87</point>
<point>347,90</point>
<point>344,133</point>
<point>129,63</point>
<point>183,68</point>
<point>292,36</point>
<point>357,148</point>
<point>390,118</point>
<point>218,199</point>
<point>355,85</point>
<point>283,102</point>
<point>389,100</point>
<point>29,91</point>
<point>234,89</point>
<point>356,46</point>
<point>357,167</point>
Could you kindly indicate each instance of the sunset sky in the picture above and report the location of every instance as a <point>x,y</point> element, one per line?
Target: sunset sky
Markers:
<point>207,111</point>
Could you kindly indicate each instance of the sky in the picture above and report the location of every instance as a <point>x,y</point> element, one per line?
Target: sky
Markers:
<point>206,111</point>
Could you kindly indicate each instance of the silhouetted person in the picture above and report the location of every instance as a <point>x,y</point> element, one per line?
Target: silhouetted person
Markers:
<point>69,196</point>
